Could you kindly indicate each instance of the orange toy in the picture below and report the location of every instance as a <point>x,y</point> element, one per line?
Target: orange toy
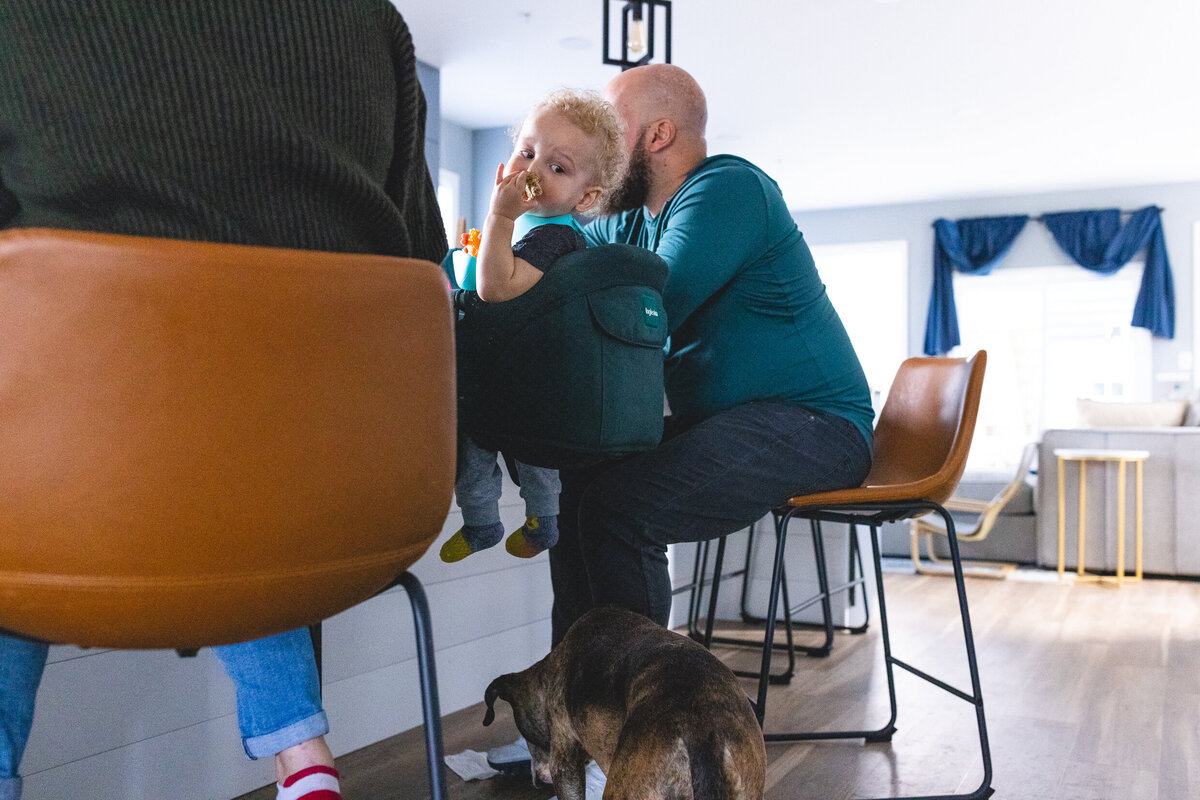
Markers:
<point>470,242</point>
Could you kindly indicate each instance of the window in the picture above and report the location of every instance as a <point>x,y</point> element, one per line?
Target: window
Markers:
<point>868,284</point>
<point>448,203</point>
<point>1053,335</point>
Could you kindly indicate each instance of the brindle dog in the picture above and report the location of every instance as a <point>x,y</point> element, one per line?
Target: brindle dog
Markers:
<point>663,718</point>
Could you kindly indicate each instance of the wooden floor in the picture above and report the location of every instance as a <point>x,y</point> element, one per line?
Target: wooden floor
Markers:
<point>1091,693</point>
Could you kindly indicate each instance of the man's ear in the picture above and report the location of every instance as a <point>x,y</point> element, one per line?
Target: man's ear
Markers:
<point>660,134</point>
<point>590,199</point>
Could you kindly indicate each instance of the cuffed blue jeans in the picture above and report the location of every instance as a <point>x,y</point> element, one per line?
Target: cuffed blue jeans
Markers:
<point>21,665</point>
<point>278,691</point>
<point>278,696</point>
<point>702,482</point>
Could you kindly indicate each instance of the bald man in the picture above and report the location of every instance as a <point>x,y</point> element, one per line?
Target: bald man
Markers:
<point>767,396</point>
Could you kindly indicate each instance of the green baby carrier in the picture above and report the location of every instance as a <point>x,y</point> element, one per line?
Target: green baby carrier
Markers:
<point>569,373</point>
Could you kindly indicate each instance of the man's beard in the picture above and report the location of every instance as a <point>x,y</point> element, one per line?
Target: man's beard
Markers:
<point>635,187</point>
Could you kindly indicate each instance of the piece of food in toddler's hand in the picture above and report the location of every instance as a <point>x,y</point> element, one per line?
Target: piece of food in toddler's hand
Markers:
<point>533,186</point>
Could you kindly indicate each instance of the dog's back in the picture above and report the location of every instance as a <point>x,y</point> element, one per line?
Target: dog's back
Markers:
<point>684,727</point>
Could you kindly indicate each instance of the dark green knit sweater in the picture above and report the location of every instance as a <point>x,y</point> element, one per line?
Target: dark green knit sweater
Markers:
<point>290,123</point>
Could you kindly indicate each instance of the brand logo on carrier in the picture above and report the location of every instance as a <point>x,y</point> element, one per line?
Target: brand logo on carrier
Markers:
<point>651,310</point>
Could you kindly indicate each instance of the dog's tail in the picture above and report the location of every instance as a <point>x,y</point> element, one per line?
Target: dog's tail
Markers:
<point>715,773</point>
<point>496,689</point>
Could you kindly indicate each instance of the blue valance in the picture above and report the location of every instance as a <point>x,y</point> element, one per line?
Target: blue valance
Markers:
<point>971,246</point>
<point>1098,241</point>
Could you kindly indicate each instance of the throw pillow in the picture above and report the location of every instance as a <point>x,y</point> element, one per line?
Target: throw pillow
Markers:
<point>1101,414</point>
<point>1193,413</point>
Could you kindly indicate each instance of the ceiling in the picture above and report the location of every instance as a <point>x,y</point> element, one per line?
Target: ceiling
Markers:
<point>864,102</point>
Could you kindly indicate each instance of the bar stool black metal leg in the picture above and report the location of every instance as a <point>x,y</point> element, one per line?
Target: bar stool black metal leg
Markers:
<point>760,703</point>
<point>427,674</point>
<point>885,733</point>
<point>712,593</point>
<point>882,734</point>
<point>976,698</point>
<point>789,646</point>
<point>823,596</point>
<point>429,692</point>
<point>857,579</point>
<point>696,588</point>
<point>822,590</point>
<point>314,633</point>
<point>746,570</point>
<point>695,602</point>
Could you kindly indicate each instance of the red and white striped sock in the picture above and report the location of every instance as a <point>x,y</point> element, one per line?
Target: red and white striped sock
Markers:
<point>310,783</point>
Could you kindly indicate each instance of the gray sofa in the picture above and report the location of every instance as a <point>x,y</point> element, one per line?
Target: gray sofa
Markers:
<point>1027,530</point>
<point>1171,497</point>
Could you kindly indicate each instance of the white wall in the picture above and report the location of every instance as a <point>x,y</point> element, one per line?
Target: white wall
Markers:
<point>456,157</point>
<point>488,148</point>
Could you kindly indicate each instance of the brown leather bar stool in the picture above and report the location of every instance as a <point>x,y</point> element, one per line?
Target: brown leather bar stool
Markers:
<point>921,442</point>
<point>204,443</point>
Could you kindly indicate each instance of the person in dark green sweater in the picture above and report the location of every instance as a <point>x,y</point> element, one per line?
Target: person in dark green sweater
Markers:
<point>295,123</point>
<point>767,397</point>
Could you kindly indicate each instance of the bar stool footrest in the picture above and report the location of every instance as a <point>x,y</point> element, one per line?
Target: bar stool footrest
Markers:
<point>884,734</point>
<point>774,679</point>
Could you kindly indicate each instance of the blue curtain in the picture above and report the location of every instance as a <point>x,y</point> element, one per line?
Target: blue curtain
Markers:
<point>971,246</point>
<point>1098,241</point>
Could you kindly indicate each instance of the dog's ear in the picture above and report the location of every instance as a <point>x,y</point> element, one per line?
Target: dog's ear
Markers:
<point>498,688</point>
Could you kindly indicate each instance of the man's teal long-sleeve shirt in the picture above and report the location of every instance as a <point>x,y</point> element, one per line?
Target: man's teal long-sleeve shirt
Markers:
<point>748,314</point>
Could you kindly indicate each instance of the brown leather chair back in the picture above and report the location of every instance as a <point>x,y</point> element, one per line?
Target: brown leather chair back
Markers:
<point>206,443</point>
<point>923,434</point>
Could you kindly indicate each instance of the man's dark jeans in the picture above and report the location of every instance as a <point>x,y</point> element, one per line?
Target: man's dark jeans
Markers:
<point>711,479</point>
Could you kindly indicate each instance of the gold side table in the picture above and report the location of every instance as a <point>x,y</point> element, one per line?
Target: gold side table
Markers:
<point>1121,457</point>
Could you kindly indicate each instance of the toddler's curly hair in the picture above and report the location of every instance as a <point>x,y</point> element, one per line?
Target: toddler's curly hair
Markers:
<point>597,118</point>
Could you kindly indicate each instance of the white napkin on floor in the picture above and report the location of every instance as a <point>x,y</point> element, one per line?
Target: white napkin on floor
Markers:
<point>470,765</point>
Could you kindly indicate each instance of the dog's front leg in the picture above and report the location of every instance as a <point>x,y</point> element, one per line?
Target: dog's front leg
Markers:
<point>569,761</point>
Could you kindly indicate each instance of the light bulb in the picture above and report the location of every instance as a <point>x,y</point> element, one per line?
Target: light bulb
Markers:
<point>637,31</point>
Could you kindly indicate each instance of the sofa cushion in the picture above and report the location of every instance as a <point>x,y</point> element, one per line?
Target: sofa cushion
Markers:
<point>1100,414</point>
<point>1192,418</point>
